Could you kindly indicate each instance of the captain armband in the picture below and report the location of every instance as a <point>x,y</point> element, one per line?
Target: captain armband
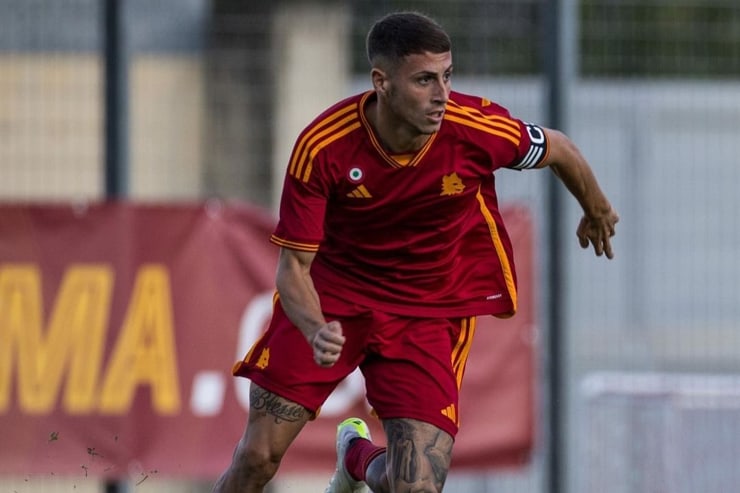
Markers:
<point>537,148</point>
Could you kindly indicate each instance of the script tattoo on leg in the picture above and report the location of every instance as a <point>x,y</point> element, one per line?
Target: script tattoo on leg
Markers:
<point>282,410</point>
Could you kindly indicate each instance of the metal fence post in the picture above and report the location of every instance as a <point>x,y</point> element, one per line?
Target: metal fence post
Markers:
<point>116,122</point>
<point>560,68</point>
<point>116,100</point>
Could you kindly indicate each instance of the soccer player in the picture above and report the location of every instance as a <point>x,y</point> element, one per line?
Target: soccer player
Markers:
<point>391,243</point>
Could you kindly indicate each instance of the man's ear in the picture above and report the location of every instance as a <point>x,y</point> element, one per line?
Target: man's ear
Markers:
<point>379,79</point>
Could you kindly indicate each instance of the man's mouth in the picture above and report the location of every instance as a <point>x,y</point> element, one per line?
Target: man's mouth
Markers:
<point>436,116</point>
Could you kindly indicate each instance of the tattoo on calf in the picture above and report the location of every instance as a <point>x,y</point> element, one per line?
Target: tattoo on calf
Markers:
<point>439,459</point>
<point>416,458</point>
<point>274,405</point>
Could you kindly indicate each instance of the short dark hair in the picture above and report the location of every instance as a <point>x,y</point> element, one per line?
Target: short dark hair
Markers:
<point>400,34</point>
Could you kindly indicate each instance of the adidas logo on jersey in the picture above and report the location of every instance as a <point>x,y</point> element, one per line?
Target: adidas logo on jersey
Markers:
<point>450,412</point>
<point>264,359</point>
<point>360,193</point>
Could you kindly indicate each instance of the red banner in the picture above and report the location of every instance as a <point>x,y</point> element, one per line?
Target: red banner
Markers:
<point>119,324</point>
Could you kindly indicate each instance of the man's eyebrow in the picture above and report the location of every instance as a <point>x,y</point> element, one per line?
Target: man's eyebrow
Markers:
<point>432,72</point>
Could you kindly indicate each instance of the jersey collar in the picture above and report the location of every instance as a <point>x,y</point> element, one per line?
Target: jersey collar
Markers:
<point>397,161</point>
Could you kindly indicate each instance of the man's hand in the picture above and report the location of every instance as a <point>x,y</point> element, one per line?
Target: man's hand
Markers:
<point>327,344</point>
<point>567,162</point>
<point>598,231</point>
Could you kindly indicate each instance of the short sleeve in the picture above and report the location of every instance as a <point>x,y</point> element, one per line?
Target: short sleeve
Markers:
<point>507,141</point>
<point>302,210</point>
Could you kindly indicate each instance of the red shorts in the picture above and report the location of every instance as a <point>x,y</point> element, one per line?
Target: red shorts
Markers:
<point>413,367</point>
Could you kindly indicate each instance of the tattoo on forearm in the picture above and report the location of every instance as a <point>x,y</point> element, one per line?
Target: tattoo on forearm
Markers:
<point>274,405</point>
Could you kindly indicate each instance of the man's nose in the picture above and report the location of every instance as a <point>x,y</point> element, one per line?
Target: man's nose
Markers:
<point>441,91</point>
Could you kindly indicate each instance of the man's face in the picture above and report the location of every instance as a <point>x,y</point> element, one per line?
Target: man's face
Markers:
<point>417,91</point>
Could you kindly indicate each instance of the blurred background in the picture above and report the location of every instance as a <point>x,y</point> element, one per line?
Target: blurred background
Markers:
<point>639,356</point>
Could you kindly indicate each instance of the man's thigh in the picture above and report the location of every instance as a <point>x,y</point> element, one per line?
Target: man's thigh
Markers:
<point>274,422</point>
<point>282,361</point>
<point>414,367</point>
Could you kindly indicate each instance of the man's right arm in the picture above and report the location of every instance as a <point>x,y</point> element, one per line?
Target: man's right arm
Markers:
<point>300,301</point>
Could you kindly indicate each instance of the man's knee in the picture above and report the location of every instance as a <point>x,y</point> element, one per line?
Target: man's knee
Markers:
<point>256,465</point>
<point>250,469</point>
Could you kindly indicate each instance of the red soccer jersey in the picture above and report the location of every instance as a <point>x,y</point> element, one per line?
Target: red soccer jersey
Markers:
<point>417,235</point>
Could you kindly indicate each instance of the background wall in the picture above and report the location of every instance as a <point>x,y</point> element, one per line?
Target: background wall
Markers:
<point>219,89</point>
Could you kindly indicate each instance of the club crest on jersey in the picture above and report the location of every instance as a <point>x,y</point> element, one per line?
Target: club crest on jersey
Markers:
<point>355,175</point>
<point>452,184</point>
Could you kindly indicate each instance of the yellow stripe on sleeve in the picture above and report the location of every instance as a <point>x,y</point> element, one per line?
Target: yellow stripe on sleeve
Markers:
<point>485,128</point>
<point>317,148</point>
<point>294,245</point>
<point>306,139</point>
<point>496,121</point>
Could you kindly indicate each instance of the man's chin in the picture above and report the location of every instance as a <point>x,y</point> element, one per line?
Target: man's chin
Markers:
<point>430,129</point>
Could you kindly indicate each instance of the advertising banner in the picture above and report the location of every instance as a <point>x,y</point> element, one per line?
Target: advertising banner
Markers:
<point>120,323</point>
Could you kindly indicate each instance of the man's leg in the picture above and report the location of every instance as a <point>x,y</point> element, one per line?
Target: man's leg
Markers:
<point>417,458</point>
<point>274,422</point>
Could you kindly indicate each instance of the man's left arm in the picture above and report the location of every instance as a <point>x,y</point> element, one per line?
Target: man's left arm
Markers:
<point>599,217</point>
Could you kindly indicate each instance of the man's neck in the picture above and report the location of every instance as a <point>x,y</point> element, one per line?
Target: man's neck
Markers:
<point>394,136</point>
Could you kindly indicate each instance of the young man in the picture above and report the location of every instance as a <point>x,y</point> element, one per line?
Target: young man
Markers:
<point>391,244</point>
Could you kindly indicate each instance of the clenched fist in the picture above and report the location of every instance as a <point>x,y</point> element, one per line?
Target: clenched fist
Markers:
<point>327,344</point>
